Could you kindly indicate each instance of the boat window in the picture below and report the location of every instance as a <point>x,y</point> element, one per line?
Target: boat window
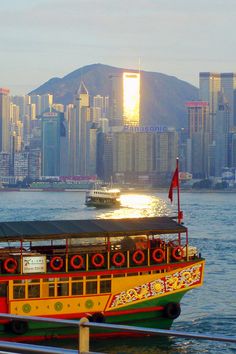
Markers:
<point>105,276</point>
<point>3,289</point>
<point>19,291</point>
<point>33,290</point>
<point>118,275</point>
<point>105,286</point>
<point>77,288</point>
<point>62,289</point>
<point>51,289</point>
<point>91,287</point>
<point>132,274</point>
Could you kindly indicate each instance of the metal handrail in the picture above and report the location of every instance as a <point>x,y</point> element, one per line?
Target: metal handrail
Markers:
<point>84,325</point>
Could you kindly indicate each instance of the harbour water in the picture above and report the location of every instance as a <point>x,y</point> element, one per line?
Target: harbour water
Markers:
<point>211,219</point>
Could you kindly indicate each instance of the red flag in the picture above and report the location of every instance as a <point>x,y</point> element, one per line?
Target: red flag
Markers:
<point>174,184</point>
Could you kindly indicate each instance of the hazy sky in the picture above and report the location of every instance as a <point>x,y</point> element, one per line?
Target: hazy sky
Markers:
<point>41,39</point>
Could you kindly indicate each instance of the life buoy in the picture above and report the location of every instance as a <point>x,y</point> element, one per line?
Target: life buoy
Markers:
<point>10,265</point>
<point>172,310</point>
<point>98,260</point>
<point>177,253</point>
<point>19,327</point>
<point>77,261</point>
<point>56,263</point>
<point>158,255</point>
<point>138,257</point>
<point>118,259</point>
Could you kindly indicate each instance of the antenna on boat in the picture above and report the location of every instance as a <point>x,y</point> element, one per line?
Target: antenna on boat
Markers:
<point>175,184</point>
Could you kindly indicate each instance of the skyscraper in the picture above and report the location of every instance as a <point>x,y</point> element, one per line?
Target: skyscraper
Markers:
<point>211,84</point>
<point>199,125</point>
<point>51,131</point>
<point>4,120</point>
<point>80,116</point>
<point>116,101</point>
<point>221,136</point>
<point>131,99</point>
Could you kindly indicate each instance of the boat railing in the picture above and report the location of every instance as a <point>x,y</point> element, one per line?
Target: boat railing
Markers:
<point>84,326</point>
<point>99,257</point>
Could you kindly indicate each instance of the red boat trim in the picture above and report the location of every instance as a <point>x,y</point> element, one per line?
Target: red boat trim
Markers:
<point>168,268</point>
<point>128,312</point>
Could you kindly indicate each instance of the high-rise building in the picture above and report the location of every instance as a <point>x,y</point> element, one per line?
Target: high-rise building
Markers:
<point>144,156</point>
<point>36,99</point>
<point>91,150</point>
<point>131,99</point>
<point>46,102</point>
<point>78,131</point>
<point>116,101</point>
<point>221,136</point>
<point>199,125</point>
<point>211,84</point>
<point>21,165</point>
<point>51,131</point>
<point>5,160</point>
<point>34,164</point>
<point>4,120</point>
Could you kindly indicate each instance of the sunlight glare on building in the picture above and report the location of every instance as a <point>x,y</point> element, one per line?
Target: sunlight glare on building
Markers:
<point>131,98</point>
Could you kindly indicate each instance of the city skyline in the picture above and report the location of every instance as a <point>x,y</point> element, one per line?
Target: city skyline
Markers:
<point>44,39</point>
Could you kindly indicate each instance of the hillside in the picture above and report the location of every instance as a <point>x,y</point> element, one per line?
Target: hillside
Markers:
<point>162,96</point>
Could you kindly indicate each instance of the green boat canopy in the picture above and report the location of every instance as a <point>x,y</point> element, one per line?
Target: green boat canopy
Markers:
<point>62,229</point>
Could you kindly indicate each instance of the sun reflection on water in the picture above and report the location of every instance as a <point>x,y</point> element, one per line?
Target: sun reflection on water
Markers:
<point>137,206</point>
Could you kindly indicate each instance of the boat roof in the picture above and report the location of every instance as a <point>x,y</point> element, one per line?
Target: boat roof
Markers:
<point>61,229</point>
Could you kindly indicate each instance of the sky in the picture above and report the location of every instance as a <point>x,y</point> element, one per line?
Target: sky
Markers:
<point>41,39</point>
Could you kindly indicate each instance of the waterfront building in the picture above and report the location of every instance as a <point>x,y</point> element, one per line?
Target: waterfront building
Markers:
<point>4,120</point>
<point>104,165</point>
<point>21,168</point>
<point>210,85</point>
<point>221,135</point>
<point>70,117</point>
<point>78,129</point>
<point>199,126</point>
<point>5,159</point>
<point>131,99</point>
<point>116,101</point>
<point>51,131</point>
<point>232,148</point>
<point>144,156</point>
<point>34,164</point>
<point>91,150</point>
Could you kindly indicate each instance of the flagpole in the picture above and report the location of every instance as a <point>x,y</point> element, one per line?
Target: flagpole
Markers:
<point>178,189</point>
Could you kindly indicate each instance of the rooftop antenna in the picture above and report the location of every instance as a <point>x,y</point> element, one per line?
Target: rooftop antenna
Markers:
<point>139,65</point>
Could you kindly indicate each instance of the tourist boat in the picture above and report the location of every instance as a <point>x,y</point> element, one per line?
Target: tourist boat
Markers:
<point>126,271</point>
<point>103,198</point>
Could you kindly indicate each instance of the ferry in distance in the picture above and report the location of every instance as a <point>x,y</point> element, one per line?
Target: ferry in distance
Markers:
<point>103,198</point>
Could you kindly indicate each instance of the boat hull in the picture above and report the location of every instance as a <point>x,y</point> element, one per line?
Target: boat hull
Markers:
<point>148,314</point>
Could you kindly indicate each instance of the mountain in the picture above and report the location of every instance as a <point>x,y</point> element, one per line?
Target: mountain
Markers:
<point>163,97</point>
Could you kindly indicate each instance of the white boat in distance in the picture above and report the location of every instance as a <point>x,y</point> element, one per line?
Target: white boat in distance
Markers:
<point>103,198</point>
